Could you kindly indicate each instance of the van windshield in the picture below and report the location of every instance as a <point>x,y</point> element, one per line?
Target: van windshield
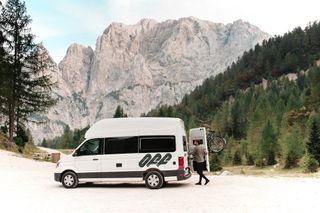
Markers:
<point>91,147</point>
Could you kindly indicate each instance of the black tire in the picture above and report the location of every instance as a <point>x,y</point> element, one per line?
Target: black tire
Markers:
<point>216,143</point>
<point>165,183</point>
<point>69,180</point>
<point>154,180</point>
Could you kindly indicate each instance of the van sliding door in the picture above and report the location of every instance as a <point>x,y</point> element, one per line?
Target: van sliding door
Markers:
<point>120,159</point>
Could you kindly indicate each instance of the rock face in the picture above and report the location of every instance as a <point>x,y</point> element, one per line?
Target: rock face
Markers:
<point>140,67</point>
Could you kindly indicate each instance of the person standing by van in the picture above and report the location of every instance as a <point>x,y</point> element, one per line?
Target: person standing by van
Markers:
<point>199,155</point>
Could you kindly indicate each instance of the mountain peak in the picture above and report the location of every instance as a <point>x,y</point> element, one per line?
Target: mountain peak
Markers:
<point>144,65</point>
<point>189,18</point>
<point>75,47</point>
<point>146,21</point>
<point>239,21</point>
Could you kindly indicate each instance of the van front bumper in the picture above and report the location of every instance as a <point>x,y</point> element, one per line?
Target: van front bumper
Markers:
<point>57,177</point>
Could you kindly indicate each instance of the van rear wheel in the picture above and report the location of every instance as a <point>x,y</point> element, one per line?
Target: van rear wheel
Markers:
<point>69,180</point>
<point>154,180</point>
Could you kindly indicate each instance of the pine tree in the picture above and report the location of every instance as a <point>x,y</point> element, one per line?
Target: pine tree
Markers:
<point>295,148</point>
<point>313,145</point>
<point>237,160</point>
<point>267,147</point>
<point>44,143</point>
<point>29,81</point>
<point>67,138</point>
<point>5,78</point>
<point>293,102</point>
<point>315,87</point>
<point>119,113</point>
<point>236,119</point>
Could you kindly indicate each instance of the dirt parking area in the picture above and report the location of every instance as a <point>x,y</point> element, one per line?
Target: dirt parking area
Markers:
<point>28,186</point>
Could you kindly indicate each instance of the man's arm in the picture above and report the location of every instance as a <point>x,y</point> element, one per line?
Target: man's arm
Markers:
<point>204,150</point>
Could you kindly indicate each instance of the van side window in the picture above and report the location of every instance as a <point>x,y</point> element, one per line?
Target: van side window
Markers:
<point>91,147</point>
<point>157,144</point>
<point>121,145</point>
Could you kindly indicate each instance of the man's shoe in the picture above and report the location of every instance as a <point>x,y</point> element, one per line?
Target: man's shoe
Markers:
<point>198,183</point>
<point>207,182</point>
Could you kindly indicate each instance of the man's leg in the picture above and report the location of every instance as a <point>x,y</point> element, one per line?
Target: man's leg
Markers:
<point>201,166</point>
<point>207,180</point>
<point>200,172</point>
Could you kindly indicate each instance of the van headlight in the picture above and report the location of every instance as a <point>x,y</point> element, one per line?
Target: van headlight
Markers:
<point>57,165</point>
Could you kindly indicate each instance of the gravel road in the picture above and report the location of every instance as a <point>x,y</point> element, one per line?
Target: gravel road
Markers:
<point>28,186</point>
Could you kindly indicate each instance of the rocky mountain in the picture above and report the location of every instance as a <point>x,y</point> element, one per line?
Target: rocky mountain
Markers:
<point>140,67</point>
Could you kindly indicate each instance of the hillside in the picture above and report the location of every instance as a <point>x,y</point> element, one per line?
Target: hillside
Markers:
<point>253,117</point>
<point>140,67</point>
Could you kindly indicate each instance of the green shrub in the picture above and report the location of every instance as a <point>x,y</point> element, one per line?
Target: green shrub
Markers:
<point>309,163</point>
<point>249,160</point>
<point>237,158</point>
<point>215,162</point>
<point>291,160</point>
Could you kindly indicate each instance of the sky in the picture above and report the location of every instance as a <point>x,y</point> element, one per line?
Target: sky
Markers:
<point>59,23</point>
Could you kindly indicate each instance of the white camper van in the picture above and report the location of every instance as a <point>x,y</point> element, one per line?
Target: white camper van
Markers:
<point>125,149</point>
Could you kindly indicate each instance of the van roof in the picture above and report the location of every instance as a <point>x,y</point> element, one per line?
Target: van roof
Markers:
<point>117,127</point>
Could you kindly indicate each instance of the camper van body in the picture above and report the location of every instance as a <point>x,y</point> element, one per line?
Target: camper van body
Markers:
<point>128,149</point>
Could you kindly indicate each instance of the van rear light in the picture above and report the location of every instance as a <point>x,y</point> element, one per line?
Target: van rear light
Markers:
<point>181,162</point>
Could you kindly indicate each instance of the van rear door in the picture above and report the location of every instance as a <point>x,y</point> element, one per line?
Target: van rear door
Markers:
<point>185,151</point>
<point>200,135</point>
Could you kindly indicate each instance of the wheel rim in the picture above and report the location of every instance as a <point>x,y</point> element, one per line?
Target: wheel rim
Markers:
<point>68,180</point>
<point>153,180</point>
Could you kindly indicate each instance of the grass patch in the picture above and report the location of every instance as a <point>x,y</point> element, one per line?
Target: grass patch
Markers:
<point>30,150</point>
<point>269,171</point>
<point>5,144</point>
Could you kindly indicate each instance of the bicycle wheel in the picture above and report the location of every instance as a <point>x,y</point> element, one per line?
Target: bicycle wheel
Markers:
<point>216,143</point>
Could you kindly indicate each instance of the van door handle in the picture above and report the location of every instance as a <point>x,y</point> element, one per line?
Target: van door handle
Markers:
<point>119,165</point>
<point>95,159</point>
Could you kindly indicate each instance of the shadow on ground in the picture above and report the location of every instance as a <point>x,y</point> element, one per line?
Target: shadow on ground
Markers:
<point>127,185</point>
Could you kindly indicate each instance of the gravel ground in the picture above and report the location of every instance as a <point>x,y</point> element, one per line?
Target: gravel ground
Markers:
<point>28,186</point>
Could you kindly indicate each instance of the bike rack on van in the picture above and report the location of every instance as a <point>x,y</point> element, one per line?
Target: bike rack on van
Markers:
<point>216,143</point>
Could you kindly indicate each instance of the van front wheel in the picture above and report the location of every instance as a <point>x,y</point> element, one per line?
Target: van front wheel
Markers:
<point>69,180</point>
<point>154,180</point>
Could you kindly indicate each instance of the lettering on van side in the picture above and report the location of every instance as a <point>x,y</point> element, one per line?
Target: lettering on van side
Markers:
<point>157,160</point>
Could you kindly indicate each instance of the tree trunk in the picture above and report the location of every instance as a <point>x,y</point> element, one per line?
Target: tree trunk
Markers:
<point>11,123</point>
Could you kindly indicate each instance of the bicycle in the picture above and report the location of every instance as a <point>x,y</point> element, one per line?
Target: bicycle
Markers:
<point>216,143</point>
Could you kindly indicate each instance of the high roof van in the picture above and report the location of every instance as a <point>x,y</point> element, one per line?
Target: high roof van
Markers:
<point>153,150</point>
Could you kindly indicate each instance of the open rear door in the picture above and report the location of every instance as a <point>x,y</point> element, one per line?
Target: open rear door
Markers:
<point>201,135</point>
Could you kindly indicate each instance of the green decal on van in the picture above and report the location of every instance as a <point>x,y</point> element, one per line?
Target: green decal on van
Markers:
<point>157,160</point>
